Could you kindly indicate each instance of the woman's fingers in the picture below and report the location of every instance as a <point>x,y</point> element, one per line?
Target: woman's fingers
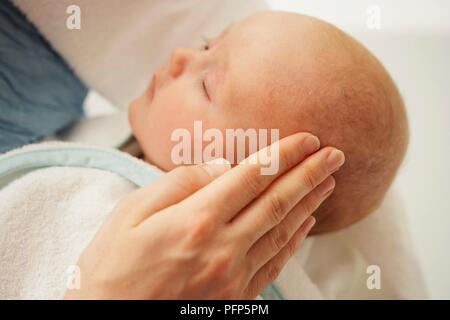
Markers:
<point>273,205</point>
<point>229,194</point>
<point>270,271</point>
<point>276,239</point>
<point>172,188</point>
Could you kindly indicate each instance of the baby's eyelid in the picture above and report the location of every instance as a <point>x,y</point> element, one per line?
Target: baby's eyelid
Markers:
<point>205,89</point>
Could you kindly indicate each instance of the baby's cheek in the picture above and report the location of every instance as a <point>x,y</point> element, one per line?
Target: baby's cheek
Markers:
<point>164,118</point>
<point>137,117</point>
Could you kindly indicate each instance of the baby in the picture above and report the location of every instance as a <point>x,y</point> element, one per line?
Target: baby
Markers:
<point>293,73</point>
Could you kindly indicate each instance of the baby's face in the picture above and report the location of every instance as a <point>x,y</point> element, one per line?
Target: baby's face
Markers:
<point>235,81</point>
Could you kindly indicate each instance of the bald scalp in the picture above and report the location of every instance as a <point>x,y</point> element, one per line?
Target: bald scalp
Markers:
<point>356,107</point>
<point>365,118</point>
<point>320,80</point>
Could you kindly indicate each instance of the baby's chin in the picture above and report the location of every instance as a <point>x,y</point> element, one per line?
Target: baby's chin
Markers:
<point>135,118</point>
<point>155,158</point>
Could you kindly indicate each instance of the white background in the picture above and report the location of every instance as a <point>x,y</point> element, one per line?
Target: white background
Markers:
<point>414,45</point>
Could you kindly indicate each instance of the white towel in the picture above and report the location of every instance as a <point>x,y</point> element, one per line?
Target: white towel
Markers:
<point>47,218</point>
<point>335,265</point>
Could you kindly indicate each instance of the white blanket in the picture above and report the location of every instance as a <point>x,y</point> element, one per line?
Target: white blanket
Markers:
<point>338,265</point>
<point>47,219</point>
<point>49,215</point>
<point>53,199</point>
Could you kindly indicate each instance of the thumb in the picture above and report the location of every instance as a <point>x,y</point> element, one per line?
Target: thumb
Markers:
<point>174,187</point>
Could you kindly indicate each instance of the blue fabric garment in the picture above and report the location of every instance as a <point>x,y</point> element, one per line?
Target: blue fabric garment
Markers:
<point>39,94</point>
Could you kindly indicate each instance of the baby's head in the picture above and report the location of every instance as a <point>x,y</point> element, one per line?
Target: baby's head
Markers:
<point>293,73</point>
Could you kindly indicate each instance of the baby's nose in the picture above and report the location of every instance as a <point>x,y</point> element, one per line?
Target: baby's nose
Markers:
<point>179,60</point>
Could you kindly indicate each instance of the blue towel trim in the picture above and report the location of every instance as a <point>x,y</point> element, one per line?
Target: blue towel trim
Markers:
<point>272,293</point>
<point>125,166</point>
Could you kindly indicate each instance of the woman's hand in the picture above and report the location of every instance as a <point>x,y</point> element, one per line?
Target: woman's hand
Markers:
<point>201,233</point>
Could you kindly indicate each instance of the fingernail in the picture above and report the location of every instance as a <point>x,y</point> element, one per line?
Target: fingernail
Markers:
<point>335,160</point>
<point>311,144</point>
<point>217,167</point>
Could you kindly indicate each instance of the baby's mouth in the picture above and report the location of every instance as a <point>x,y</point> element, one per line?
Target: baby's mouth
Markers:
<point>151,89</point>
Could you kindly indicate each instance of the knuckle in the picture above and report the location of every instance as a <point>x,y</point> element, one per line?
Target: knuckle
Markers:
<point>253,181</point>
<point>189,178</point>
<point>310,204</point>
<point>309,179</point>
<point>221,265</point>
<point>200,230</point>
<point>285,159</point>
<point>276,206</point>
<point>309,208</point>
<point>280,238</point>
<point>291,248</point>
<point>273,272</point>
<point>251,292</point>
<point>312,201</point>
